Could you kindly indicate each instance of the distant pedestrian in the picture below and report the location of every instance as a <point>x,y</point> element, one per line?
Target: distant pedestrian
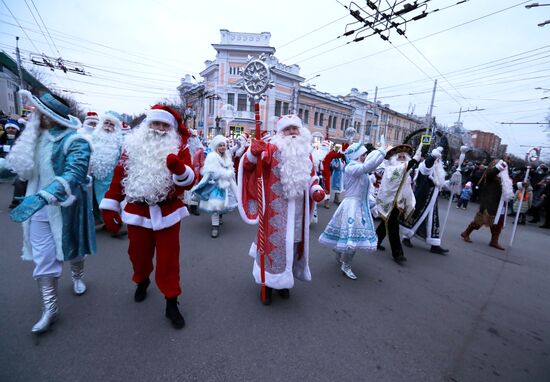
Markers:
<point>465,196</point>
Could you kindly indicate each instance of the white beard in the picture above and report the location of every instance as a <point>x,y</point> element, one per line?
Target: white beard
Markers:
<point>295,162</point>
<point>105,154</point>
<point>394,162</point>
<point>21,156</point>
<point>147,177</point>
<point>506,185</point>
<point>438,175</point>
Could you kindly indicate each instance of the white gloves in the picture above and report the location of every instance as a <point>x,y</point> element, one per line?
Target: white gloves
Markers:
<point>418,153</point>
<point>501,165</point>
<point>519,185</point>
<point>436,153</point>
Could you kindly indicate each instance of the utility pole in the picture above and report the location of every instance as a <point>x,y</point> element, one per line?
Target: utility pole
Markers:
<point>429,117</point>
<point>20,70</point>
<point>378,130</point>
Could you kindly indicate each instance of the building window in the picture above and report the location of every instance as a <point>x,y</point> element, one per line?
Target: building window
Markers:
<point>316,119</point>
<point>306,117</point>
<point>285,108</point>
<point>334,123</point>
<point>241,102</point>
<point>277,108</point>
<point>346,124</point>
<point>342,124</point>
<point>210,106</point>
<point>329,121</point>
<point>300,113</point>
<point>321,117</point>
<point>231,98</point>
<point>234,70</point>
<point>367,128</point>
<point>251,106</point>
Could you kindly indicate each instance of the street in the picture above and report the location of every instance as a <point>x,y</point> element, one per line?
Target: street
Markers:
<point>477,314</point>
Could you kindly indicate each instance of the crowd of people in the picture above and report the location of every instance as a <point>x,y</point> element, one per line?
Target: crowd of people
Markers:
<point>79,177</point>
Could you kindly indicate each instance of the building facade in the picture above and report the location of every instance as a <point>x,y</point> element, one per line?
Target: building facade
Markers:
<point>486,141</point>
<point>219,106</point>
<point>10,84</point>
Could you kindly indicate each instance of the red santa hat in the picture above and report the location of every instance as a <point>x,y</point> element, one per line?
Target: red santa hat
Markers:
<point>91,116</point>
<point>167,114</point>
<point>288,120</point>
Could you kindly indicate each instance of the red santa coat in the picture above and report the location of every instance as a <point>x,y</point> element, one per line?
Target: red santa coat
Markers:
<point>325,170</point>
<point>158,216</point>
<point>198,162</point>
<point>282,264</point>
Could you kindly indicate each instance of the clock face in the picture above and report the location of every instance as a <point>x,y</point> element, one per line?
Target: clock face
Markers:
<point>256,77</point>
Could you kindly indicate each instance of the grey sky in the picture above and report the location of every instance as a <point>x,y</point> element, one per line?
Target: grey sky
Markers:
<point>137,51</point>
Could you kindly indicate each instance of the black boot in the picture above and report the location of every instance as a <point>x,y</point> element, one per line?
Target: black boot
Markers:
<point>173,313</point>
<point>407,242</point>
<point>194,209</point>
<point>141,290</point>
<point>399,258</point>
<point>268,293</point>
<point>438,249</point>
<point>284,293</point>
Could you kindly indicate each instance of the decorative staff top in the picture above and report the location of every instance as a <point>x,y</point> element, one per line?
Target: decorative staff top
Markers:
<point>256,77</point>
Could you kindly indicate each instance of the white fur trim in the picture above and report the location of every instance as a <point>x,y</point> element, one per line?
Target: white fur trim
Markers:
<point>159,115</point>
<point>109,204</point>
<point>157,221</point>
<point>48,197</point>
<point>425,170</point>
<point>73,138</point>
<point>184,179</point>
<point>251,157</point>
<point>240,194</point>
<point>70,197</point>
<point>216,141</point>
<point>288,120</point>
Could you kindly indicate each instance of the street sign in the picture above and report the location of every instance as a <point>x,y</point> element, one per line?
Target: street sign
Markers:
<point>426,139</point>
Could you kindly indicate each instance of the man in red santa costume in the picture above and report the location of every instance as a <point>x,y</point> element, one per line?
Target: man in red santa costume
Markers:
<point>290,186</point>
<point>153,172</point>
<point>325,170</point>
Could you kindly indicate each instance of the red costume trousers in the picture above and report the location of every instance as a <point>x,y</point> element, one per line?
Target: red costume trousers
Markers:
<point>143,242</point>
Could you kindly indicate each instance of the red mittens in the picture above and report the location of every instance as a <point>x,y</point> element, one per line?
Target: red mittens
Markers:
<point>112,220</point>
<point>258,147</point>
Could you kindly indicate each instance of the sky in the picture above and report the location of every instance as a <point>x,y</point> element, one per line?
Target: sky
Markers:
<point>485,54</point>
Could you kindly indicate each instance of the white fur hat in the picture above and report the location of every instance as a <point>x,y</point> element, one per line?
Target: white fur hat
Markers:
<point>112,118</point>
<point>288,120</point>
<point>216,141</point>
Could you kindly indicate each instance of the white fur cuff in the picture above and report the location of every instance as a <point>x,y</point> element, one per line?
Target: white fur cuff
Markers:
<point>109,204</point>
<point>184,179</point>
<point>251,157</point>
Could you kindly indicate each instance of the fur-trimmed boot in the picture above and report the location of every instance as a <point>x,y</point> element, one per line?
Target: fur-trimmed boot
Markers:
<point>77,274</point>
<point>496,229</point>
<point>50,311</point>
<point>466,234</point>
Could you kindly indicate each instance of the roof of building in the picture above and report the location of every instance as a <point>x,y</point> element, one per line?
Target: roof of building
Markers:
<point>11,64</point>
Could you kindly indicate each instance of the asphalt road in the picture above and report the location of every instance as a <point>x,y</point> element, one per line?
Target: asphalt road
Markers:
<point>478,314</point>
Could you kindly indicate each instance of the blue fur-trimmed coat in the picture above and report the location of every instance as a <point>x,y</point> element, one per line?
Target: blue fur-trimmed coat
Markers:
<point>61,165</point>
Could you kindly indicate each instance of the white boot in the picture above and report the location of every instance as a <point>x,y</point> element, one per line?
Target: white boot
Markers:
<point>346,269</point>
<point>77,274</point>
<point>48,291</point>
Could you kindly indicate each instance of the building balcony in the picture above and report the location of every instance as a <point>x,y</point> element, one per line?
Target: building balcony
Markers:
<point>244,115</point>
